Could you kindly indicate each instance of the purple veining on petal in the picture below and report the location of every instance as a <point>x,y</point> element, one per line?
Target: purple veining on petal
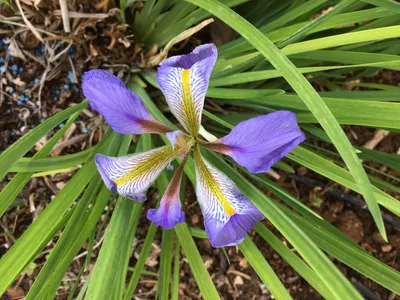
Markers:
<point>200,53</point>
<point>223,228</point>
<point>123,110</point>
<point>170,79</point>
<point>131,175</point>
<point>168,214</point>
<point>235,229</point>
<point>260,142</point>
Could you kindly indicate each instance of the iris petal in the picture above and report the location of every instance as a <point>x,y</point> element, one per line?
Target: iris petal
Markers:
<point>170,211</point>
<point>228,214</point>
<point>131,175</point>
<point>123,110</point>
<point>260,142</point>
<point>184,82</point>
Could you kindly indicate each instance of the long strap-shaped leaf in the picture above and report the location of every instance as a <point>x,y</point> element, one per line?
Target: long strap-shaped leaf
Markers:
<point>51,219</point>
<point>307,94</point>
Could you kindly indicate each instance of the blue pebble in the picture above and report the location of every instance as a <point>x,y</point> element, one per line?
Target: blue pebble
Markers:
<point>11,90</point>
<point>5,47</point>
<point>55,99</point>
<point>76,89</point>
<point>14,67</point>
<point>21,69</point>
<point>57,92</point>
<point>34,106</point>
<point>19,103</point>
<point>71,77</point>
<point>84,130</point>
<point>13,133</point>
<point>15,73</point>
<point>66,86</point>
<point>9,110</point>
<point>42,50</point>
<point>1,60</point>
<point>36,81</point>
<point>3,69</point>
<point>61,125</point>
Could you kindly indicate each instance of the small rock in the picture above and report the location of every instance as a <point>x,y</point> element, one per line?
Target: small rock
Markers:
<point>386,248</point>
<point>238,280</point>
<point>195,219</point>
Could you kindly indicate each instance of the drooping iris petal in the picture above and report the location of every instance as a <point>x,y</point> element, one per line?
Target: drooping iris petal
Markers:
<point>184,82</point>
<point>228,214</point>
<point>131,175</point>
<point>123,110</point>
<point>260,142</point>
<point>170,211</point>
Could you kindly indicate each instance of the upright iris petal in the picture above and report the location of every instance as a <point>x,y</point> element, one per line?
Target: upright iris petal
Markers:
<point>131,175</point>
<point>228,214</point>
<point>123,110</point>
<point>184,82</point>
<point>170,211</point>
<point>260,142</point>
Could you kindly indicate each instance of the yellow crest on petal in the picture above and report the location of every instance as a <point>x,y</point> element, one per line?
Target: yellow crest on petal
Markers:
<point>211,184</point>
<point>150,163</point>
<point>188,104</point>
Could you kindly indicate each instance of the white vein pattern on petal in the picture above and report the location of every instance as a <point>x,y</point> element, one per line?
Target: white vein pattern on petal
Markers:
<point>198,87</point>
<point>115,168</point>
<point>172,89</point>
<point>210,205</point>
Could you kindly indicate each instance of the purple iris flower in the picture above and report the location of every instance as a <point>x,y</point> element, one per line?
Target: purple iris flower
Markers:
<point>255,144</point>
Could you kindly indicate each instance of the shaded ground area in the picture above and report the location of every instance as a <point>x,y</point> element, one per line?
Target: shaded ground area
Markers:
<point>40,79</point>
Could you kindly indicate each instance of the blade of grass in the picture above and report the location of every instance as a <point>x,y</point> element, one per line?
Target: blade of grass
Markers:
<point>175,278</point>
<point>167,243</point>
<point>39,164</point>
<point>388,4</point>
<point>263,269</point>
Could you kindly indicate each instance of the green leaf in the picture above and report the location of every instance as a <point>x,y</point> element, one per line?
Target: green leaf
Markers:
<point>37,164</point>
<point>167,243</point>
<point>263,269</point>
<point>44,227</point>
<point>388,4</point>
<point>110,269</point>
<point>175,278</point>
<point>10,156</point>
<point>144,253</point>
<point>13,188</point>
<point>351,255</point>
<point>196,263</point>
<point>306,91</point>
